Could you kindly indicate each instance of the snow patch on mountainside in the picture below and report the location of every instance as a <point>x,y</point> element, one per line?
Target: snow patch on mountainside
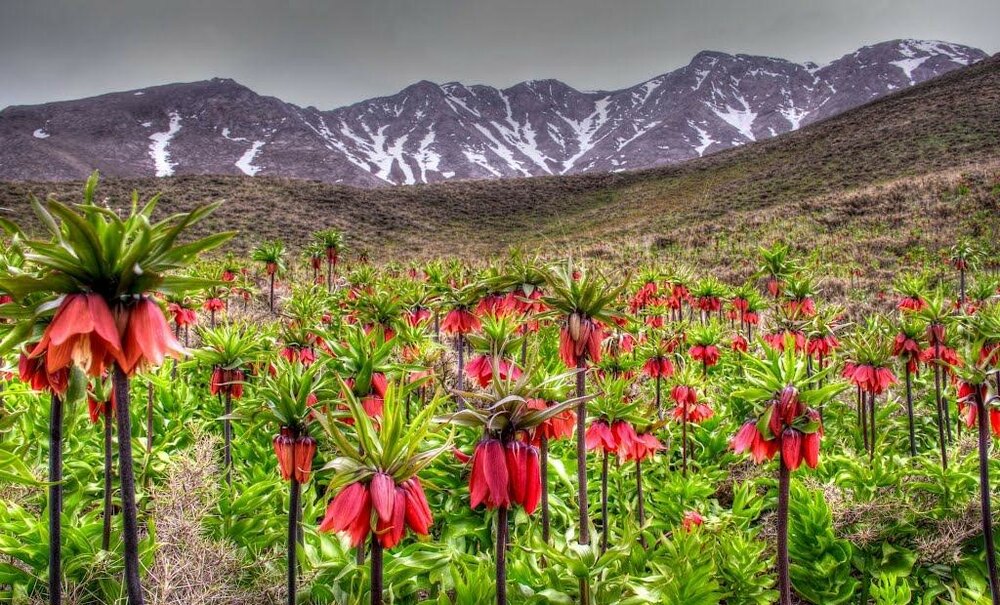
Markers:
<point>158,148</point>
<point>739,118</point>
<point>245,163</point>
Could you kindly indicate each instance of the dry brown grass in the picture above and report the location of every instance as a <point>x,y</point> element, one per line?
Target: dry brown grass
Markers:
<point>189,567</point>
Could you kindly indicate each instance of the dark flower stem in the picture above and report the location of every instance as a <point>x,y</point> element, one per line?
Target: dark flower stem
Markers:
<point>271,297</point>
<point>984,496</point>
<point>108,476</point>
<point>501,555</point>
<point>376,571</point>
<point>940,414</point>
<point>55,499</point>
<point>641,508</point>
<point>581,452</point>
<point>784,583</point>
<point>460,379</point>
<point>293,530</point>
<point>604,503</point>
<point>130,525</point>
<point>684,441</point>
<point>909,409</point>
<point>544,455</point>
<point>227,429</point>
<point>581,468</point>
<point>871,415</point>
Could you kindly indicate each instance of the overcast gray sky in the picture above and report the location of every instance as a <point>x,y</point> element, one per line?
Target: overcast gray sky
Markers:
<point>329,53</point>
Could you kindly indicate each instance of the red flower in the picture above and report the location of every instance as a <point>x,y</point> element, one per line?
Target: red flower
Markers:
<point>911,303</point>
<point>390,530</point>
<point>740,343</point>
<point>524,473</point>
<point>791,448</point>
<point>182,315</point>
<point>418,513</point>
<point>599,436</point>
<point>646,446</point>
<point>707,354</point>
<point>750,439</point>
<point>691,520</point>
<point>870,379</point>
<point>349,511</point>
<point>696,413</point>
<point>305,450</point>
<point>284,449</point>
<point>489,481</point>
<point>414,317</point>
<point>751,318</point>
<point>777,340</point>
<point>147,338</point>
<point>684,395</point>
<point>83,332</point>
<point>32,372</point>
<point>460,321</point>
<point>625,438</point>
<point>810,448</point>
<point>214,304</point>
<point>480,369</point>
<point>580,339</point>
<point>658,367</point>
<point>96,409</point>
<point>559,426</point>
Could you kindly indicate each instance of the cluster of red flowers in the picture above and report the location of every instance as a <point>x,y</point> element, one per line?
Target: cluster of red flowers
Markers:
<point>505,474</point>
<point>739,343</point>
<point>397,506</point>
<point>416,316</point>
<point>688,408</point>
<point>295,454</point>
<point>777,340</point>
<point>908,349</point>
<point>304,355</point>
<point>227,382</point>
<point>706,354</point>
<point>620,438</point>
<point>214,304</point>
<point>559,426</point>
<point>658,367</point>
<point>460,321</point>
<point>869,378</point>
<point>480,369</point>
<point>788,427</point>
<point>968,410</point>
<point>183,316</point>
<point>801,306</point>
<point>822,346</point>
<point>580,338</point>
<point>911,303</point>
<point>85,332</point>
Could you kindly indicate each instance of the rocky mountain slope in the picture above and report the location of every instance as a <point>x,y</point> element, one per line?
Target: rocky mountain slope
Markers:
<point>428,133</point>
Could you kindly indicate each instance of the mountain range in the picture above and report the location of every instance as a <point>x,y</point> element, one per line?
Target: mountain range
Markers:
<point>429,133</point>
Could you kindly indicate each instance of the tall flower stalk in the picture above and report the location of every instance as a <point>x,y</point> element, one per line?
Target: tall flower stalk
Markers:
<point>583,304</point>
<point>272,255</point>
<point>375,484</point>
<point>506,468</point>
<point>96,274</point>
<point>290,393</point>
<point>786,423</point>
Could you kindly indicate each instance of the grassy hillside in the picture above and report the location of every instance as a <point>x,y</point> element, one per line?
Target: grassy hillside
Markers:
<point>917,168</point>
